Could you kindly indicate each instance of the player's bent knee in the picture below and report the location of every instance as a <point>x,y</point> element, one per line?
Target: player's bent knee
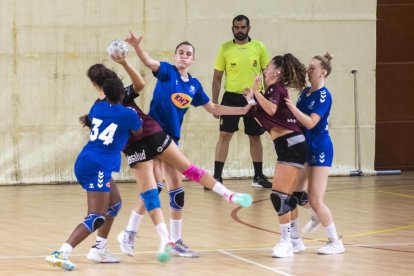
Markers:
<point>114,209</point>
<point>151,199</point>
<point>282,202</point>
<point>93,222</point>
<point>194,173</point>
<point>177,199</point>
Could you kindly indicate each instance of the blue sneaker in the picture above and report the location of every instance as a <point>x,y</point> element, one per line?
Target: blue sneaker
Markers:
<point>57,258</point>
<point>244,200</point>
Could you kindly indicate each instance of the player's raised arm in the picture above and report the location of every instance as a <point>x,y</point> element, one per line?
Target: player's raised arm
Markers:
<point>148,61</point>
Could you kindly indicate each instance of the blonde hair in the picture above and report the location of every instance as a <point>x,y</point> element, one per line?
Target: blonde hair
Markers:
<point>325,62</point>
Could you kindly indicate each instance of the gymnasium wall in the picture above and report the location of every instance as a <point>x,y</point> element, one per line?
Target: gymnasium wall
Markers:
<point>47,46</point>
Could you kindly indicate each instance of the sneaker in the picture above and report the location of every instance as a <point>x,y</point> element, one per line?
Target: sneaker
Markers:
<point>182,250</point>
<point>164,252</point>
<point>282,250</point>
<point>244,200</point>
<point>260,181</point>
<point>126,241</point>
<point>57,258</point>
<point>332,247</point>
<point>312,225</point>
<point>101,255</point>
<point>297,244</point>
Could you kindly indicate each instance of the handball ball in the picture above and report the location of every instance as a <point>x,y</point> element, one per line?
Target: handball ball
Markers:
<point>118,48</point>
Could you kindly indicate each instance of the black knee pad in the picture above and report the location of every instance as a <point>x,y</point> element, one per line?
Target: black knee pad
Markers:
<point>302,198</point>
<point>293,203</point>
<point>159,187</point>
<point>281,202</point>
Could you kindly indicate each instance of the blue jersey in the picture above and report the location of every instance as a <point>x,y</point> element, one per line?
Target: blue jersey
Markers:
<point>111,125</point>
<point>172,98</point>
<point>319,102</point>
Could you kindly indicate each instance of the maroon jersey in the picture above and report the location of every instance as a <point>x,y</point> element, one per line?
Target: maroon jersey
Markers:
<point>149,125</point>
<point>283,118</point>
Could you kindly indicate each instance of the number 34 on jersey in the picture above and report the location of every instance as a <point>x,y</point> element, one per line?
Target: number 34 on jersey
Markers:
<point>106,135</point>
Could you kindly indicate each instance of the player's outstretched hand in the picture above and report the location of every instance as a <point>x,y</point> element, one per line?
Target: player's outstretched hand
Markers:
<point>133,39</point>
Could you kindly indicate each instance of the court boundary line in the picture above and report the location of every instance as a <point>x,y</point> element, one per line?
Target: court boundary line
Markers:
<point>254,263</point>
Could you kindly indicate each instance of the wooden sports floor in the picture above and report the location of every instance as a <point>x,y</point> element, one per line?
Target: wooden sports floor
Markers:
<point>374,215</point>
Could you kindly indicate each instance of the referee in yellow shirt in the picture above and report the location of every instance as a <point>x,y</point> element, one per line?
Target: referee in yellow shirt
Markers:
<point>241,58</point>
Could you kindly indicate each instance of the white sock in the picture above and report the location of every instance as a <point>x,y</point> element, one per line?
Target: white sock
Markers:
<point>100,242</point>
<point>294,229</point>
<point>331,231</point>
<point>285,232</point>
<point>66,249</point>
<point>162,231</point>
<point>134,221</point>
<point>222,190</point>
<point>175,229</point>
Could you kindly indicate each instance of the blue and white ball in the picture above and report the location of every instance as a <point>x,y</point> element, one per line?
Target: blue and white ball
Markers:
<point>118,48</point>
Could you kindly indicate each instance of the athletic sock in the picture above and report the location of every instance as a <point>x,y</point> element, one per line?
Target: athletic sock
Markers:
<point>66,249</point>
<point>218,169</point>
<point>285,232</point>
<point>222,190</point>
<point>175,229</point>
<point>258,168</point>
<point>162,231</point>
<point>134,221</point>
<point>100,242</point>
<point>294,228</point>
<point>331,232</point>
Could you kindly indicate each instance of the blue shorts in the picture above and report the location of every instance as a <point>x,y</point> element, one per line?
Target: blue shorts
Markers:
<point>321,157</point>
<point>91,176</point>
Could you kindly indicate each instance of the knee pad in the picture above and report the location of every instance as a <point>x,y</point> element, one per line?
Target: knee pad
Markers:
<point>93,222</point>
<point>301,197</point>
<point>281,202</point>
<point>151,199</point>
<point>114,209</point>
<point>177,199</point>
<point>159,187</point>
<point>194,173</point>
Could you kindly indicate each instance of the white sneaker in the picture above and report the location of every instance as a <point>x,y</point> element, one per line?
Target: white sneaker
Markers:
<point>58,258</point>
<point>332,247</point>
<point>297,244</point>
<point>312,225</point>
<point>282,250</point>
<point>182,250</point>
<point>101,255</point>
<point>126,241</point>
